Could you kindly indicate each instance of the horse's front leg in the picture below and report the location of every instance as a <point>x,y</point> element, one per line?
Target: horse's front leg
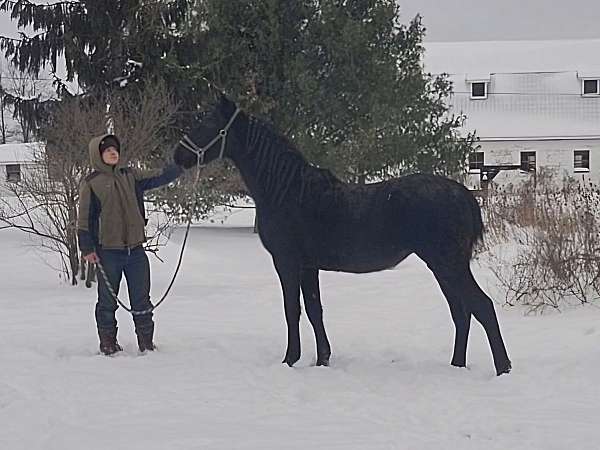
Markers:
<point>289,276</point>
<point>309,283</point>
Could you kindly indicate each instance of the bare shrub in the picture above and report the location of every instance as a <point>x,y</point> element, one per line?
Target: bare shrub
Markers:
<point>551,230</point>
<point>44,202</point>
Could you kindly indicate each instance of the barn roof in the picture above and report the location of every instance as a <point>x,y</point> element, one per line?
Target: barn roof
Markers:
<point>18,153</point>
<point>534,87</point>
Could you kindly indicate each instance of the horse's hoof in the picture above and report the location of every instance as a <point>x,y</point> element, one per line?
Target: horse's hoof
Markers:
<point>323,362</point>
<point>458,362</point>
<point>290,361</point>
<point>504,369</point>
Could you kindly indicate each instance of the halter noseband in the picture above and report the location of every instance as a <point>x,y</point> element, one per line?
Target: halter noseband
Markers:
<point>190,145</point>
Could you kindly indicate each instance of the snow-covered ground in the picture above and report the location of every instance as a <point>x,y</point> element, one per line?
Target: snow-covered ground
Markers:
<point>217,381</point>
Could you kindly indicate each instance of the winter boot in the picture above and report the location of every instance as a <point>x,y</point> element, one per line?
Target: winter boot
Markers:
<point>108,341</point>
<point>144,338</point>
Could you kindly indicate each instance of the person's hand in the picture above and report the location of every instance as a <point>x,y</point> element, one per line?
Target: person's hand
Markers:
<point>91,258</point>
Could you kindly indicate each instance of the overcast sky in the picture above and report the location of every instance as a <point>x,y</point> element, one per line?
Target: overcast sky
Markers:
<point>473,20</point>
<point>485,20</point>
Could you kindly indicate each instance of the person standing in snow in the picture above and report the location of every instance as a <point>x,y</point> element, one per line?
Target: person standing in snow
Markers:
<point>110,230</point>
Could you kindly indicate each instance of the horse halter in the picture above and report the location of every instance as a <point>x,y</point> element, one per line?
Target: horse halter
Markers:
<point>190,145</point>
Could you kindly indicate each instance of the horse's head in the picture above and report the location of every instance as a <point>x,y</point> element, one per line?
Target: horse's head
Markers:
<point>209,139</point>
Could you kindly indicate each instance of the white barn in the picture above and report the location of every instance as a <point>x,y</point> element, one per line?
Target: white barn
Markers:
<point>16,159</point>
<point>533,104</point>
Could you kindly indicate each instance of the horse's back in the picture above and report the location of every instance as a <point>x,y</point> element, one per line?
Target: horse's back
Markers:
<point>365,228</point>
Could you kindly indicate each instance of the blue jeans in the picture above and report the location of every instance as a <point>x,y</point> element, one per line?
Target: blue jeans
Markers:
<point>134,264</point>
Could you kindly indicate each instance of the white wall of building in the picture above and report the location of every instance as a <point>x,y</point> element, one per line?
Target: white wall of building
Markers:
<point>5,186</point>
<point>553,155</point>
<point>20,154</point>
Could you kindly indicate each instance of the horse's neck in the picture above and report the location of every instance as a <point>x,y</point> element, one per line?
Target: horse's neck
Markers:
<point>271,171</point>
<point>248,173</point>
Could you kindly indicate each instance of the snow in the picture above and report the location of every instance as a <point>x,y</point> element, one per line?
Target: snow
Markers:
<point>216,381</point>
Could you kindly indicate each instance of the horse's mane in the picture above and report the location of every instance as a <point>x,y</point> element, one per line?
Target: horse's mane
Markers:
<point>281,167</point>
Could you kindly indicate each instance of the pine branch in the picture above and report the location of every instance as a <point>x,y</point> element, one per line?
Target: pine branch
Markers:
<point>26,39</point>
<point>9,4</point>
<point>16,8</point>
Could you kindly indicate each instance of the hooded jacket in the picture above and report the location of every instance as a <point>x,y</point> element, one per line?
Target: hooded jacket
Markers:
<point>111,204</point>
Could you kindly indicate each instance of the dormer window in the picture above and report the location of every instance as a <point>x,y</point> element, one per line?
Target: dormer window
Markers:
<point>479,89</point>
<point>479,85</point>
<point>590,83</point>
<point>590,87</point>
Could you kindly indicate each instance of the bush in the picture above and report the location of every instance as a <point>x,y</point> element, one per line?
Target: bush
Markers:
<point>552,230</point>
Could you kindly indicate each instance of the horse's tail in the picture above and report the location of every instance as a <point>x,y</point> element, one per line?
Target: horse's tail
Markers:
<point>477,236</point>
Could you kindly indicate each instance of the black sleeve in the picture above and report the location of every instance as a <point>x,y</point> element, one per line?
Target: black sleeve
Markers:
<point>88,220</point>
<point>168,174</point>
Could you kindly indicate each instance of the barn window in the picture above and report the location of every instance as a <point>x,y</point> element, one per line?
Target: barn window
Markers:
<point>476,160</point>
<point>581,160</point>
<point>528,161</point>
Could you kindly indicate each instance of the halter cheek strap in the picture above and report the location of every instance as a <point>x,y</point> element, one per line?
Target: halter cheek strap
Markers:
<point>190,145</point>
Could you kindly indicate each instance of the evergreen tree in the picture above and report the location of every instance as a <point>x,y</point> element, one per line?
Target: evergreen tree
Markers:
<point>344,80</point>
<point>372,104</point>
<point>103,42</point>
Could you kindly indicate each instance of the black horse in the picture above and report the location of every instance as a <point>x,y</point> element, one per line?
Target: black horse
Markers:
<point>309,220</point>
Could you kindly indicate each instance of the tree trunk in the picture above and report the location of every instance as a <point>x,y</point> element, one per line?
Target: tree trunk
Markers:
<point>3,123</point>
<point>73,261</point>
<point>72,241</point>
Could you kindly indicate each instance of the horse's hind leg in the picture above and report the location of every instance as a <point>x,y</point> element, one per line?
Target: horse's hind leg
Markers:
<point>465,297</point>
<point>460,316</point>
<point>309,283</point>
<point>483,309</point>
